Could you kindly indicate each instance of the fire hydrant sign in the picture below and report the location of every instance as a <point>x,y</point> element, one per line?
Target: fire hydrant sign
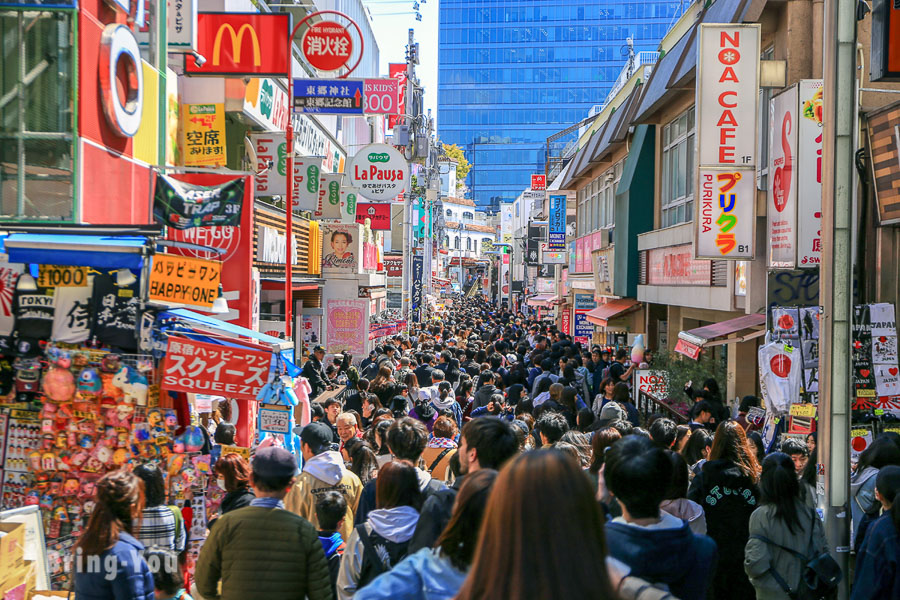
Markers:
<point>327,45</point>
<point>274,418</point>
<point>184,280</point>
<point>201,368</point>
<point>379,172</point>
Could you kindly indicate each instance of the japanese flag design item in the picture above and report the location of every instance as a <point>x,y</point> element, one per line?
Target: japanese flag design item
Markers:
<point>780,375</point>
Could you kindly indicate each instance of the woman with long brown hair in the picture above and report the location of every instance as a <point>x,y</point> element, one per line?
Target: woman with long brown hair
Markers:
<point>383,385</point>
<point>108,560</point>
<point>726,489</point>
<point>525,555</point>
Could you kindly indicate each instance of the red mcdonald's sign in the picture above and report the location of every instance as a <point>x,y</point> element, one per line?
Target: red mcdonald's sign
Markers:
<point>241,44</point>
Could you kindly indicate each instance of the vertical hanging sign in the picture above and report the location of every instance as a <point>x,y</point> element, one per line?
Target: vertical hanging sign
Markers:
<point>726,108</point>
<point>557,235</point>
<point>781,211</point>
<point>809,173</point>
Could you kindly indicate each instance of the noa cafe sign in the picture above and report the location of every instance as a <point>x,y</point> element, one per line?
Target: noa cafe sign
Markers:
<point>379,171</point>
<point>119,51</point>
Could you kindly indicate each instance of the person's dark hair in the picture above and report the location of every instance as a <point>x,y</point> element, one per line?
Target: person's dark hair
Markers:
<point>316,411</point>
<point>887,482</point>
<point>623,427</point>
<point>458,540</point>
<point>517,537</point>
<point>568,398</point>
<point>730,443</point>
<point>407,438</point>
<point>883,451</point>
<point>748,402</point>
<point>552,425</point>
<point>779,486</point>
<point>756,440</point>
<point>493,439</point>
<point>362,384</point>
<point>397,485</point>
<point>621,393</point>
<point>362,459</point>
<point>603,384</point>
<point>602,439</point>
<point>346,235</point>
<point>678,484</point>
<point>810,471</point>
<point>790,446</point>
<point>681,431</point>
<point>704,406</point>
<point>154,484</point>
<point>331,507</point>
<point>485,378</point>
<point>638,473</point>
<point>235,470</point>
<point>712,386</point>
<point>437,375</point>
<point>701,439</point>
<point>641,432</point>
<point>585,419</point>
<point>621,353</point>
<point>380,430</point>
<point>664,431</point>
<point>164,565</point>
<point>224,434</point>
<point>398,407</point>
<point>119,497</point>
<point>331,402</point>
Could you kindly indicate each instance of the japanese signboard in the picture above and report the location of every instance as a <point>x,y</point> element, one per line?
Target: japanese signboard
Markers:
<point>809,173</point>
<point>183,205</point>
<point>393,265</point>
<point>782,193</point>
<point>378,213</point>
<point>653,383</point>
<point>349,196</point>
<point>382,96</point>
<point>184,280</point>
<point>603,271</point>
<point>585,302</point>
<point>557,235</point>
<point>348,327</point>
<point>204,135</point>
<point>676,265</point>
<point>330,196</point>
<point>398,71</point>
<point>327,45</point>
<point>62,276</point>
<point>341,248</point>
<point>553,257</point>
<point>275,418</point>
<point>307,175</point>
<point>230,371</point>
<point>544,285</point>
<point>328,96</point>
<point>379,171</point>
<point>727,91</point>
<point>270,147</point>
<point>726,107</point>
<point>727,213</point>
<point>418,292</point>
<point>241,44</point>
<point>181,16</point>
<point>565,321</point>
<point>538,182</point>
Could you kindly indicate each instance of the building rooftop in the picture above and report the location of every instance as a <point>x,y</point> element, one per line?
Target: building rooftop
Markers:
<point>459,201</point>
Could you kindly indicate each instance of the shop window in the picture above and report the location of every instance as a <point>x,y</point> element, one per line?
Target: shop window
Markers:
<point>456,242</point>
<point>468,243</point>
<point>678,170</point>
<point>37,142</point>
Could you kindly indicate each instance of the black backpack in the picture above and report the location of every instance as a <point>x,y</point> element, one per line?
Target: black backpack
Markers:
<point>380,555</point>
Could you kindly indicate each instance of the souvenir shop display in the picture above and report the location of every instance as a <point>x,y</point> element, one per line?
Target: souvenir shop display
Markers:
<point>876,373</point>
<point>789,367</point>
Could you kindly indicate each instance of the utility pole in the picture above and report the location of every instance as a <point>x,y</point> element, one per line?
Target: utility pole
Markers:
<point>836,283</point>
<point>408,238</point>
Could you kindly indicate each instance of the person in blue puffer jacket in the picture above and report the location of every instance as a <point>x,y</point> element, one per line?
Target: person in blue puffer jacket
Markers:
<point>108,559</point>
<point>878,561</point>
<point>438,573</point>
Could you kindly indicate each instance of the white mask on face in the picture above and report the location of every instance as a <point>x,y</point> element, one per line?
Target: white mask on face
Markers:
<point>220,482</point>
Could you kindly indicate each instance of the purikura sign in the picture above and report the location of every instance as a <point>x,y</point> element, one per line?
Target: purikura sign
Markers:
<point>726,109</point>
<point>379,172</point>
<point>781,214</point>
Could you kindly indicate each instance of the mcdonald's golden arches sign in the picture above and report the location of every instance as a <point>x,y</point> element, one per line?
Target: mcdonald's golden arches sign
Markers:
<point>241,44</point>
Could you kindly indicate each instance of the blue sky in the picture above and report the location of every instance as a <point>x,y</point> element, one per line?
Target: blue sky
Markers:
<point>391,33</point>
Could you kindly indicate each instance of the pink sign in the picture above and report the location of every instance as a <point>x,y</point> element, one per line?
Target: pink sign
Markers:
<point>580,252</point>
<point>347,327</point>
<point>675,265</point>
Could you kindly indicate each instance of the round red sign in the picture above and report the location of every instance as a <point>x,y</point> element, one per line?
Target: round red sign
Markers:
<point>327,46</point>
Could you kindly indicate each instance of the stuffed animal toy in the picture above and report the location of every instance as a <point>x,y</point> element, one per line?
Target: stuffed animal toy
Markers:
<point>58,383</point>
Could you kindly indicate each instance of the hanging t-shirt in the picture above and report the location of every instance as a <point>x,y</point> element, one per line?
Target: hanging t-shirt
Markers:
<point>9,275</point>
<point>780,374</point>
<point>71,314</point>
<point>115,311</point>
<point>34,314</point>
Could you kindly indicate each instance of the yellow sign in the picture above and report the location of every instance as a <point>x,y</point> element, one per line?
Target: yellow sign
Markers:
<point>62,276</point>
<point>237,39</point>
<point>803,410</point>
<point>239,450</point>
<point>204,135</point>
<point>184,280</point>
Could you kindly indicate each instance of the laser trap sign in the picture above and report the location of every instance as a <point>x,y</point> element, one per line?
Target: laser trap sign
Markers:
<point>201,368</point>
<point>184,280</point>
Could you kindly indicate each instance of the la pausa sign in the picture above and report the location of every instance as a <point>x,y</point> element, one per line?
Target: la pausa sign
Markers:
<point>375,172</point>
<point>379,171</point>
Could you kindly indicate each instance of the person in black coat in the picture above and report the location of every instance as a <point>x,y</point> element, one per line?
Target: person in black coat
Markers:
<point>726,490</point>
<point>315,374</point>
<point>423,371</point>
<point>233,476</point>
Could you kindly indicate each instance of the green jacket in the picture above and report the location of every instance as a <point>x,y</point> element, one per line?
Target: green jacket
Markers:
<point>260,552</point>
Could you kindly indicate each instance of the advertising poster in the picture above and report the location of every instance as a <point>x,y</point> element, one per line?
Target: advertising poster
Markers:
<point>379,215</point>
<point>782,193</point>
<point>557,235</point>
<point>182,205</point>
<point>312,330</point>
<point>204,135</point>
<point>809,174</point>
<point>341,245</point>
<point>347,329</point>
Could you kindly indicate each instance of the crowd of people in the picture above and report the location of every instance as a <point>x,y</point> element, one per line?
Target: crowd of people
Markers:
<point>486,455</point>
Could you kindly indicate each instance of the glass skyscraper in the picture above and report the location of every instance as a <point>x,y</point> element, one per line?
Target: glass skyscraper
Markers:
<point>511,73</point>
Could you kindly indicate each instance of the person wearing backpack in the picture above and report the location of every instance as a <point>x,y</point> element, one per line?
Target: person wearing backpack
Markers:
<point>377,545</point>
<point>785,535</point>
<point>331,510</point>
<point>160,525</point>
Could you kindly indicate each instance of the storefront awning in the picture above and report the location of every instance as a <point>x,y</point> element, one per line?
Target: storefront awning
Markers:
<point>98,251</point>
<point>545,300</point>
<point>213,325</point>
<point>690,342</point>
<point>602,314</point>
<point>276,284</point>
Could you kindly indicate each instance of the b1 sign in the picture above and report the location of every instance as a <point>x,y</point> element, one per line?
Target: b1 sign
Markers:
<point>379,172</point>
<point>382,96</point>
<point>727,210</point>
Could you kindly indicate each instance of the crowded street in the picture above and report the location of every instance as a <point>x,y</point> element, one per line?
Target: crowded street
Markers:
<point>460,299</point>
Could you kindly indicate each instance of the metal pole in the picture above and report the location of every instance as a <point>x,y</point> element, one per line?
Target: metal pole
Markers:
<point>836,283</point>
<point>407,203</point>
<point>289,193</point>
